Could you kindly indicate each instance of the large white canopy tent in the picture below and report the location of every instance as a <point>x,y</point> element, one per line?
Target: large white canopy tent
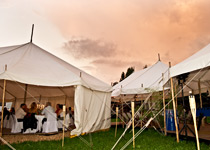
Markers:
<point>144,81</point>
<point>197,68</point>
<point>49,78</point>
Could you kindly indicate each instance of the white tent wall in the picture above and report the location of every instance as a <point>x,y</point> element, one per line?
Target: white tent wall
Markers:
<point>92,110</point>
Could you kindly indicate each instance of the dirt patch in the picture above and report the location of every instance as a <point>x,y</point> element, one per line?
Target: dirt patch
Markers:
<point>19,138</point>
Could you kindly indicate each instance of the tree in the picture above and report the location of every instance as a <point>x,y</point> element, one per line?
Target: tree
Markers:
<point>130,70</point>
<point>145,67</point>
<point>122,76</point>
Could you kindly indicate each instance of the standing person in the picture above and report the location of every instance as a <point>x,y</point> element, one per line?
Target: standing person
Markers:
<point>20,113</point>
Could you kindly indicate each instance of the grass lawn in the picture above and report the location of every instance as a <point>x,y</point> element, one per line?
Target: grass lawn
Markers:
<point>148,140</point>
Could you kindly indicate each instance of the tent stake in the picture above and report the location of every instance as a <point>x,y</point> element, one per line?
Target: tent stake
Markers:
<point>174,107</point>
<point>193,111</point>
<point>132,107</point>
<point>116,121</point>
<point>199,88</point>
<point>2,111</point>
<point>164,106</point>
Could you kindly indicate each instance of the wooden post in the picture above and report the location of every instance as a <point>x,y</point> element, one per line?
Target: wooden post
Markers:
<point>174,107</point>
<point>122,114</point>
<point>175,90</point>
<point>164,106</point>
<point>132,109</point>
<point>25,94</point>
<point>199,88</point>
<point>64,115</point>
<point>2,111</point>
<point>193,111</point>
<point>116,121</point>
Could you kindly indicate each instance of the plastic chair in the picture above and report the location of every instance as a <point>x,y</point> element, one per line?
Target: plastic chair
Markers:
<point>51,124</point>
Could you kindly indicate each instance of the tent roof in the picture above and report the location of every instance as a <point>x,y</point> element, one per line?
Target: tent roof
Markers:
<point>195,62</point>
<point>143,81</point>
<point>30,64</point>
<point>197,66</point>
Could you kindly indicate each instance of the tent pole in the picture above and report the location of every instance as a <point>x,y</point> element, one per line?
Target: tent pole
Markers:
<point>2,112</point>
<point>25,94</point>
<point>132,108</point>
<point>15,102</point>
<point>64,115</point>
<point>164,106</point>
<point>32,31</point>
<point>175,90</point>
<point>174,107</point>
<point>193,111</point>
<point>116,121</point>
<point>199,88</point>
<point>122,113</point>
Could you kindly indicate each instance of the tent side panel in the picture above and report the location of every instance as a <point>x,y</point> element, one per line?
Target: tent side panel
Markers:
<point>91,110</point>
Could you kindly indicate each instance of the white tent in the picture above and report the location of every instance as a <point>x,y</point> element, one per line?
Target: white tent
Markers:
<point>143,81</point>
<point>49,78</point>
<point>197,68</point>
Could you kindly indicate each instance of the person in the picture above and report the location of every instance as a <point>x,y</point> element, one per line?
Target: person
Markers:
<point>60,113</point>
<point>12,111</point>
<point>47,111</point>
<point>71,117</point>
<point>58,110</point>
<point>33,109</point>
<point>20,113</point>
<point>6,113</point>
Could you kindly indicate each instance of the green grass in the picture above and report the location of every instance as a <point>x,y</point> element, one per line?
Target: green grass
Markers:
<point>148,140</point>
<point>114,120</point>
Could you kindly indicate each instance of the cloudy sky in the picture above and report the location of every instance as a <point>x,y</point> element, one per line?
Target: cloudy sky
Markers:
<point>105,37</point>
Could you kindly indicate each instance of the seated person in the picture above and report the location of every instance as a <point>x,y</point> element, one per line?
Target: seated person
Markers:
<point>60,113</point>
<point>47,111</point>
<point>20,113</point>
<point>6,112</point>
<point>33,109</point>
<point>29,120</point>
<point>58,110</point>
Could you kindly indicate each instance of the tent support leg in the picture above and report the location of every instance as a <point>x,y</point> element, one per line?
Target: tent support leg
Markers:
<point>199,88</point>
<point>116,121</point>
<point>132,109</point>
<point>25,94</point>
<point>3,97</point>
<point>174,107</point>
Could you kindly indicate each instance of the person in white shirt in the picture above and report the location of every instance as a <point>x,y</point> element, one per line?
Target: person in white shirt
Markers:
<point>48,110</point>
<point>20,113</point>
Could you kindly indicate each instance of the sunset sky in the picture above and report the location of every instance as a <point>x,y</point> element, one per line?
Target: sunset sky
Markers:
<point>105,37</point>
